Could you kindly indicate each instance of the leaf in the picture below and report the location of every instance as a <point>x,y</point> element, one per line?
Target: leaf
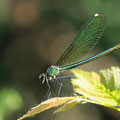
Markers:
<point>111,78</point>
<point>104,89</point>
<point>50,103</point>
<point>67,106</point>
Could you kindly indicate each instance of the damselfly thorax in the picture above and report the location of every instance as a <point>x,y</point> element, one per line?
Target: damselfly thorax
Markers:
<point>50,74</point>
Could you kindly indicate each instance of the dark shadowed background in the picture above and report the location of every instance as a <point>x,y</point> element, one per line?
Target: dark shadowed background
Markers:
<point>32,35</point>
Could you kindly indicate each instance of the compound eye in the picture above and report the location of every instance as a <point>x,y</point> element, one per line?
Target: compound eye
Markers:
<point>42,77</point>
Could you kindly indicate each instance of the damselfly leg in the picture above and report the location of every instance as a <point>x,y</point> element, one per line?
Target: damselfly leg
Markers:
<point>48,94</point>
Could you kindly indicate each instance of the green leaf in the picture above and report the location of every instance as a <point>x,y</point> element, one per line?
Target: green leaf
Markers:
<point>111,78</point>
<point>67,106</point>
<point>104,89</point>
<point>50,103</point>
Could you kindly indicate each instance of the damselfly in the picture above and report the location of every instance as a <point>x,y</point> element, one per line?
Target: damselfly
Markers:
<point>83,43</point>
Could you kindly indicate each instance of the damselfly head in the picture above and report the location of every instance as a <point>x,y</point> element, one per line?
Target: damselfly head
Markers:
<point>42,78</point>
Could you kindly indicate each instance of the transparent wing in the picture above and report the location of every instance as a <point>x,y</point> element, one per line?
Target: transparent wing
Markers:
<point>85,40</point>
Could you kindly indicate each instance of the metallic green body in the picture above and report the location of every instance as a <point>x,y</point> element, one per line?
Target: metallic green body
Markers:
<point>52,71</point>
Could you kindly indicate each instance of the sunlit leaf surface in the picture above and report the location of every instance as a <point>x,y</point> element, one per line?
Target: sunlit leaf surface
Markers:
<point>103,88</point>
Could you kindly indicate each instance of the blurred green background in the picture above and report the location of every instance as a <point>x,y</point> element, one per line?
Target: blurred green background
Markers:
<point>32,35</point>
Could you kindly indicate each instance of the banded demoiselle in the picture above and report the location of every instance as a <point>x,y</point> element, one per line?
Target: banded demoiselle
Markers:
<point>83,43</point>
